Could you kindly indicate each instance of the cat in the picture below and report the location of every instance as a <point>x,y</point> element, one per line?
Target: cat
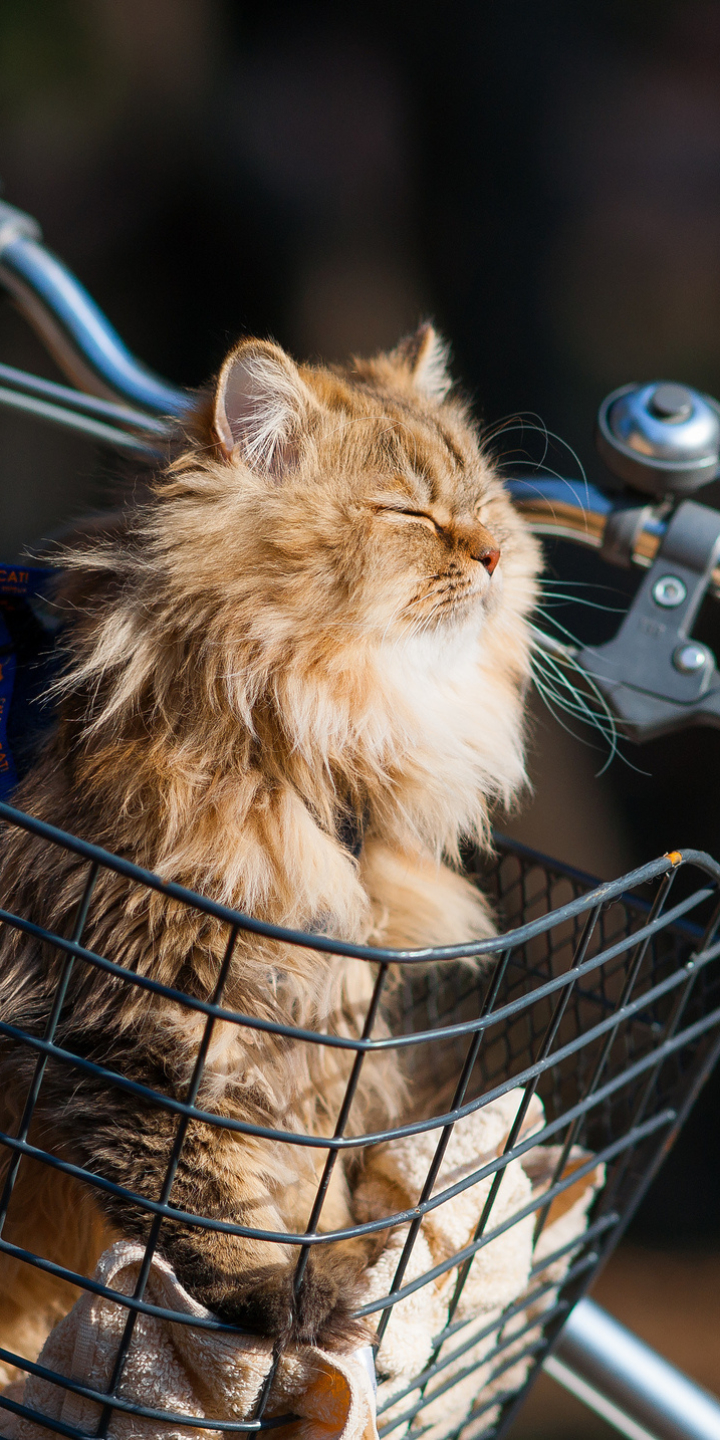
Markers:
<point>294,683</point>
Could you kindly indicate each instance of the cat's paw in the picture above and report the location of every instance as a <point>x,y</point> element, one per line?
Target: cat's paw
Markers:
<point>327,1299</point>
<point>321,1313</point>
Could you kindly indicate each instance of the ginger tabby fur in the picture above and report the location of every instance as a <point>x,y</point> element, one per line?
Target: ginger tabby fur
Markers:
<point>305,623</point>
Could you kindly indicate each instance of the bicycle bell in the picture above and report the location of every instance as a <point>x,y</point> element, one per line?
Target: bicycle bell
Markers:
<point>661,438</point>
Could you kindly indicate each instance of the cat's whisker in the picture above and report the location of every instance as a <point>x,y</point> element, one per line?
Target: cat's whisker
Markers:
<point>560,598</point>
<point>546,697</point>
<point>546,580</point>
<point>603,721</point>
<point>552,678</point>
<point>541,657</point>
<point>563,629</point>
<point>555,475</point>
<point>581,710</point>
<point>518,421</point>
<point>541,428</point>
<point>565,698</point>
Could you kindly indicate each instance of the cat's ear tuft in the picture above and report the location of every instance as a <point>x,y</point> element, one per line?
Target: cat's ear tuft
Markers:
<point>260,402</point>
<point>425,354</point>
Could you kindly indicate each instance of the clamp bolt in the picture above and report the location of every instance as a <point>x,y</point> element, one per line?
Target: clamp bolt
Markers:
<point>690,658</point>
<point>669,591</point>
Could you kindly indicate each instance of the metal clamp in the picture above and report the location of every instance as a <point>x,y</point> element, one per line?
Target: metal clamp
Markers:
<point>655,677</point>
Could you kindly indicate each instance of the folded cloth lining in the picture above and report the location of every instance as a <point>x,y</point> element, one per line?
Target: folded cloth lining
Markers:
<point>199,1373</point>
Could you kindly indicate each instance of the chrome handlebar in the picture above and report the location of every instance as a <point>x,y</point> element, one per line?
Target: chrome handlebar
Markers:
<point>622,532</point>
<point>77,334</point>
<point>575,511</point>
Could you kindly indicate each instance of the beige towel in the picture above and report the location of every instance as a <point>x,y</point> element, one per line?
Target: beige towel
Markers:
<point>566,1224</point>
<point>498,1276</point>
<point>185,1369</point>
<point>394,1179</point>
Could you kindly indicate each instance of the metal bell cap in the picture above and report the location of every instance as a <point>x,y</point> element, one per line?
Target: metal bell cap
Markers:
<point>661,437</point>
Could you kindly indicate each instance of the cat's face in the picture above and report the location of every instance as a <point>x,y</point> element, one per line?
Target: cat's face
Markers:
<point>357,502</point>
<point>418,507</point>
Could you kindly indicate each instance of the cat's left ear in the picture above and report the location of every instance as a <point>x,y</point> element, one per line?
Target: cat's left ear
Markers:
<point>260,403</point>
<point>425,355</point>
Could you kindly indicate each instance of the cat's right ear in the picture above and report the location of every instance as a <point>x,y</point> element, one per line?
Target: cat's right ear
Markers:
<point>424,357</point>
<point>260,403</point>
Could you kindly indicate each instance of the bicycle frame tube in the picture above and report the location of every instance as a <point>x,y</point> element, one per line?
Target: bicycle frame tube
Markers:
<point>629,1384</point>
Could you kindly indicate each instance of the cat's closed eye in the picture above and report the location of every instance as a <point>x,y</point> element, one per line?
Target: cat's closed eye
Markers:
<point>420,517</point>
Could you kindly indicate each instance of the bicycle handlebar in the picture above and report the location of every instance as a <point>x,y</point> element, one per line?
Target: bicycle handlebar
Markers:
<point>654,676</point>
<point>82,341</point>
<point>624,533</point>
<point>577,511</point>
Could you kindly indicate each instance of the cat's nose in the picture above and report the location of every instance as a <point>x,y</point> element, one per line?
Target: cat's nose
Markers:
<point>485,549</point>
<point>489,558</point>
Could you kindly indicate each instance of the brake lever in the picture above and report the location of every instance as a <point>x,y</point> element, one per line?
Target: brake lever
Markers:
<point>654,676</point>
<point>662,441</point>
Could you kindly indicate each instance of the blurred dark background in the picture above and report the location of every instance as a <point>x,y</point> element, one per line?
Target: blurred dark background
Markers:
<point>541,177</point>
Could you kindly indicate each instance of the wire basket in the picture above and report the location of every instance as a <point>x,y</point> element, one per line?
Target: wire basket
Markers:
<point>602,1001</point>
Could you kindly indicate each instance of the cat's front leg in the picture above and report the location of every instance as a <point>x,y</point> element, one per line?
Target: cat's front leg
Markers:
<point>233,1179</point>
<point>417,901</point>
<point>255,1282</point>
<point>317,1309</point>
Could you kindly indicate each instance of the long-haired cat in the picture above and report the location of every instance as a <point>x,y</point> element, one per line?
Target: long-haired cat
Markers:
<point>313,628</point>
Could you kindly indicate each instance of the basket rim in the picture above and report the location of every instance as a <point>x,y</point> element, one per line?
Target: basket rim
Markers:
<point>603,892</point>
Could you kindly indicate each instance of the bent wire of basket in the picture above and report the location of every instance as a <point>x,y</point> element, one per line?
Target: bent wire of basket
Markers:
<point>602,1001</point>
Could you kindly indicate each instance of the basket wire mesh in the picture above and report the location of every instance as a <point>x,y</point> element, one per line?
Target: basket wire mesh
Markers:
<point>602,1000</point>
